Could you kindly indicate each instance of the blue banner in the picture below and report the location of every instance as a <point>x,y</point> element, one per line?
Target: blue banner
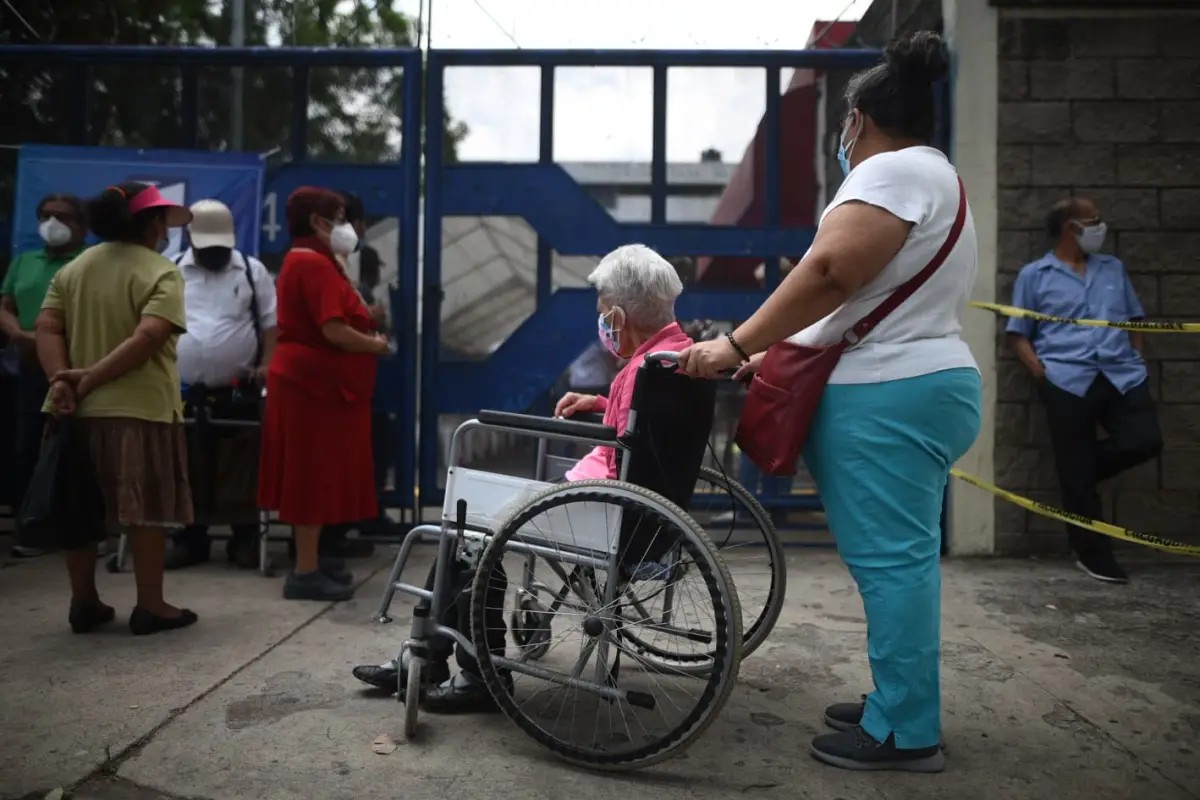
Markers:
<point>236,179</point>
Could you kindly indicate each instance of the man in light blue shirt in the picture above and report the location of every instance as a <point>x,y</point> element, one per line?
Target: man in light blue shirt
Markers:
<point>1087,376</point>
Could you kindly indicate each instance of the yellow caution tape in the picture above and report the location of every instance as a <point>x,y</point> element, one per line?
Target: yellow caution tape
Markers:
<point>1096,525</point>
<point>1140,325</point>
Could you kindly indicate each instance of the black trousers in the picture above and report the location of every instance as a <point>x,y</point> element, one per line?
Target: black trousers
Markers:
<point>32,387</point>
<point>203,465</point>
<point>456,614</point>
<point>1083,460</point>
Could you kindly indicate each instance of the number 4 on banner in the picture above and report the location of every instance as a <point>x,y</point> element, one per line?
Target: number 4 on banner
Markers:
<point>271,225</point>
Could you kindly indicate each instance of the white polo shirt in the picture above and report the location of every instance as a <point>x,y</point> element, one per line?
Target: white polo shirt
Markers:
<point>220,344</point>
<point>918,185</point>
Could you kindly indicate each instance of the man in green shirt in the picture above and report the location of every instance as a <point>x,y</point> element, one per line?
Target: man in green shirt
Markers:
<point>62,227</point>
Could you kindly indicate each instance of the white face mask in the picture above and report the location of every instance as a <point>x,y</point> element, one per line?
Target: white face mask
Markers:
<point>54,233</point>
<point>1091,237</point>
<point>342,239</point>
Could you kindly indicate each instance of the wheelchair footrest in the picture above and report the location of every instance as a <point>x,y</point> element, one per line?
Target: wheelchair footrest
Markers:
<point>640,700</point>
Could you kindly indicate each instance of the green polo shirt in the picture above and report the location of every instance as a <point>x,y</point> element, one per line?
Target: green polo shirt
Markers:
<point>27,280</point>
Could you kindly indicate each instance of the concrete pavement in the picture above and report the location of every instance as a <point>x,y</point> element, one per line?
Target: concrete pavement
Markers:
<point>1054,685</point>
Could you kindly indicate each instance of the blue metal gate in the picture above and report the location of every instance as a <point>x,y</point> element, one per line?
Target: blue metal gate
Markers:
<point>568,221</point>
<point>387,190</point>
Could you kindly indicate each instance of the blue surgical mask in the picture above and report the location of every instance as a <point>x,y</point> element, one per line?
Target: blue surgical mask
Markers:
<point>611,339</point>
<point>844,150</point>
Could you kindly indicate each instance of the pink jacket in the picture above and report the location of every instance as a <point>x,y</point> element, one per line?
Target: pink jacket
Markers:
<point>601,463</point>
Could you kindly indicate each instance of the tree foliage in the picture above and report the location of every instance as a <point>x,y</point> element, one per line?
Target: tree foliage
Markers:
<point>354,114</point>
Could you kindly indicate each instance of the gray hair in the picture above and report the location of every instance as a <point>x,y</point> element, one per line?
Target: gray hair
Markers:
<point>641,282</point>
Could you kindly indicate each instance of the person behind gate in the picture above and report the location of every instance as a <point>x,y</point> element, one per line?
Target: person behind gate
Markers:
<point>230,303</point>
<point>1086,376</point>
<point>902,404</point>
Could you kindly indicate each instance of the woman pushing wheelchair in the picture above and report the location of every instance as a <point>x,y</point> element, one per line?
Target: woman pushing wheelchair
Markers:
<point>636,290</point>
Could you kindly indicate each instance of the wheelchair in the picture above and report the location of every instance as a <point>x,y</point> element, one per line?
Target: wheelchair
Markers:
<point>201,425</point>
<point>621,549</point>
<point>747,541</point>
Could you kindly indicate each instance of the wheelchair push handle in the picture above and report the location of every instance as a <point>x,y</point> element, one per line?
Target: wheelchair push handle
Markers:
<point>669,359</point>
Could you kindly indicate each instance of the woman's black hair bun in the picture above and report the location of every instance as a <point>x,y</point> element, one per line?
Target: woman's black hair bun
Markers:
<point>920,58</point>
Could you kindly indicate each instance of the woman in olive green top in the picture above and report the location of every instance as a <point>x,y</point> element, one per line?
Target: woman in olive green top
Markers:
<point>106,338</point>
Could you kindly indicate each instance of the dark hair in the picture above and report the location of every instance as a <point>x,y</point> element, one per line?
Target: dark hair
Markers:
<point>109,216</point>
<point>69,199</point>
<point>309,200</point>
<point>354,207</point>
<point>898,94</point>
<point>1060,214</point>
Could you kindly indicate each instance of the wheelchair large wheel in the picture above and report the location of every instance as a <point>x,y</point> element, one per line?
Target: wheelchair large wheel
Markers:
<point>751,549</point>
<point>590,697</point>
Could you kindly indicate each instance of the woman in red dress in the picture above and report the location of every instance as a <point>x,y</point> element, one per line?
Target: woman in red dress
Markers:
<point>316,468</point>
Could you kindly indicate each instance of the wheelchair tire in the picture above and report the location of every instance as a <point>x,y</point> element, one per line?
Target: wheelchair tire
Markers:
<point>723,669</point>
<point>756,630</point>
<point>412,697</point>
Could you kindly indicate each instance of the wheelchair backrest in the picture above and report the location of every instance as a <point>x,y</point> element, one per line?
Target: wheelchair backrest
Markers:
<point>671,420</point>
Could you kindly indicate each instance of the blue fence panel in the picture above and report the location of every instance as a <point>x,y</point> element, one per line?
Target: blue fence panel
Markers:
<point>386,189</point>
<point>568,220</point>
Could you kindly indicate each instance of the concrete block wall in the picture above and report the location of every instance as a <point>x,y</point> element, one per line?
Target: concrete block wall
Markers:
<point>1110,109</point>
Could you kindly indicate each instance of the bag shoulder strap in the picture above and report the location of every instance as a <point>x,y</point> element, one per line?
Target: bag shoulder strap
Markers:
<point>868,323</point>
<point>254,319</point>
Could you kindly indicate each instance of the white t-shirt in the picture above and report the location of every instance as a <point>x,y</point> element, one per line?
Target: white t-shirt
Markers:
<point>918,185</point>
<point>219,345</point>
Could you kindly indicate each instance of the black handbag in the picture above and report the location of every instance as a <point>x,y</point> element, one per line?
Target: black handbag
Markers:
<point>63,507</point>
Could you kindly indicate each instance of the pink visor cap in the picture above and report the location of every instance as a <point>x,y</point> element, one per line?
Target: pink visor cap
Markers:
<point>177,215</point>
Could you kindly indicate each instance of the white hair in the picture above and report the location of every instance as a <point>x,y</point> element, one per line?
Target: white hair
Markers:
<point>641,282</point>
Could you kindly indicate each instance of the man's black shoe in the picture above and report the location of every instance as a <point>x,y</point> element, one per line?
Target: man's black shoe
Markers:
<point>855,749</point>
<point>186,551</point>
<point>1102,568</point>
<point>387,676</point>
<point>462,694</point>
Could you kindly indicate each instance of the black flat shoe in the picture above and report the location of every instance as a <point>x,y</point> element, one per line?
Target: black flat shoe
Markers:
<point>386,676</point>
<point>335,570</point>
<point>86,617</point>
<point>462,694</point>
<point>143,623</point>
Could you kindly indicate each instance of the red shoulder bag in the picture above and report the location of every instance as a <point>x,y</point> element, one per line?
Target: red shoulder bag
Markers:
<point>786,390</point>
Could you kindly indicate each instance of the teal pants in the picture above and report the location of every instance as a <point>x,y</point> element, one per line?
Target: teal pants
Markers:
<point>881,454</point>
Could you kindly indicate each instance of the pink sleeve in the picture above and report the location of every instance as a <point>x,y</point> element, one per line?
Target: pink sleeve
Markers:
<point>601,403</point>
<point>620,402</point>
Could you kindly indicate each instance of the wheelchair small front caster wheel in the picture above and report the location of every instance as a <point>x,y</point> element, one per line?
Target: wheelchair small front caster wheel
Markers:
<point>112,564</point>
<point>412,697</point>
<point>530,627</point>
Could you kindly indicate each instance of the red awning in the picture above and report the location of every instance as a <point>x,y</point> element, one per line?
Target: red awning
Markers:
<point>743,201</point>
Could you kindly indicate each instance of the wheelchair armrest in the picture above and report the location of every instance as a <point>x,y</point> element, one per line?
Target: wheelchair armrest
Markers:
<point>592,417</point>
<point>536,424</point>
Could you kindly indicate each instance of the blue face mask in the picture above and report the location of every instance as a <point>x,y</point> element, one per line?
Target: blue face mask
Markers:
<point>844,151</point>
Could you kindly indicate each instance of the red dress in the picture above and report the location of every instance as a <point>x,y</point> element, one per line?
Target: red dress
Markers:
<point>316,467</point>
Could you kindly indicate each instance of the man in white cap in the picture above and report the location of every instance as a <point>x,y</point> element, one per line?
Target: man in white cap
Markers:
<point>231,328</point>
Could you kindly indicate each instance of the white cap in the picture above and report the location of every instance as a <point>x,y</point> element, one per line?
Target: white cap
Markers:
<point>212,225</point>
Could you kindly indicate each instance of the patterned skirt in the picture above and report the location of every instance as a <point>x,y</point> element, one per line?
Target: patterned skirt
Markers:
<point>142,470</point>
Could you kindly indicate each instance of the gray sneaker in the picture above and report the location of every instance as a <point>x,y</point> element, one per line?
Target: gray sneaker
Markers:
<point>315,586</point>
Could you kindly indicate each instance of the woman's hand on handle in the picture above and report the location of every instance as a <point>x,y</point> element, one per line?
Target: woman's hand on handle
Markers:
<point>573,403</point>
<point>747,370</point>
<point>709,359</point>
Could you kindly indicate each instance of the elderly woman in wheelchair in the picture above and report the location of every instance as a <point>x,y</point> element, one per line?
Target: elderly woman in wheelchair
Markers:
<point>636,315</point>
<point>642,673</point>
